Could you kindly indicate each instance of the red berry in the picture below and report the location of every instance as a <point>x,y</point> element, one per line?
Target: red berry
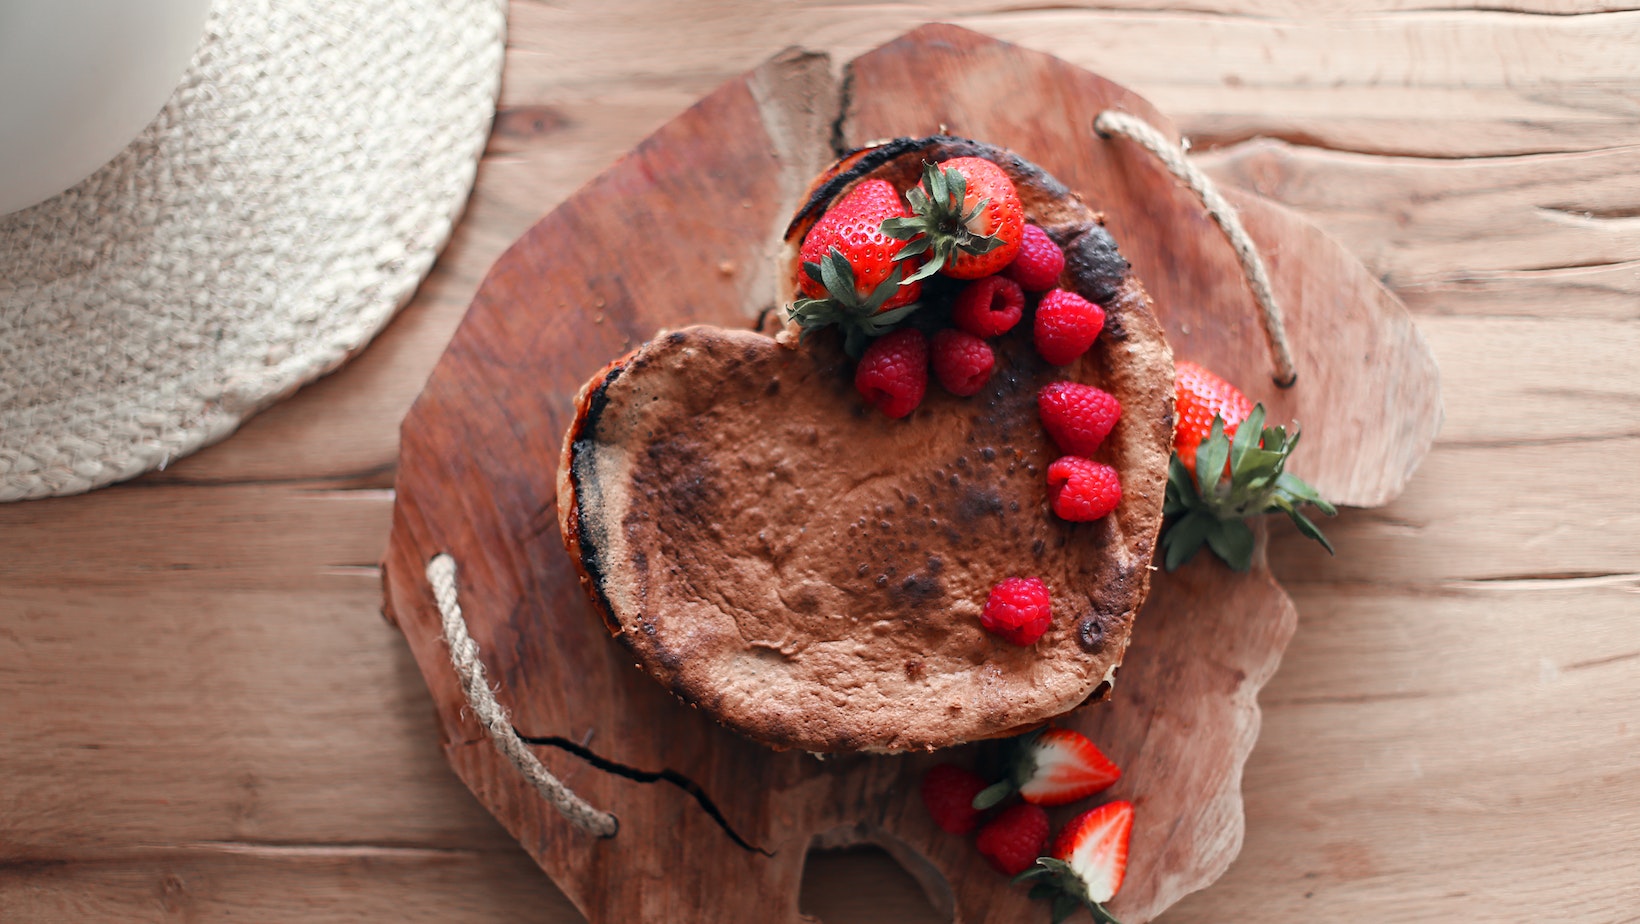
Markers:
<point>893,373</point>
<point>853,225</point>
<point>989,307</point>
<point>1066,325</point>
<point>948,792</point>
<point>1061,766</point>
<point>1039,263</point>
<point>1077,417</point>
<point>1095,845</point>
<point>1200,395</point>
<point>1018,610</point>
<point>1003,216</point>
<point>1082,489</point>
<point>962,361</point>
<point>1015,838</point>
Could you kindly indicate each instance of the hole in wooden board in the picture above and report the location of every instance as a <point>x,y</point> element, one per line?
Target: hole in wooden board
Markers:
<point>864,883</point>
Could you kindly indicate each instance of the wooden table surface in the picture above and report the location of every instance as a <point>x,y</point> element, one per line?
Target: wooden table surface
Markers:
<point>203,716</point>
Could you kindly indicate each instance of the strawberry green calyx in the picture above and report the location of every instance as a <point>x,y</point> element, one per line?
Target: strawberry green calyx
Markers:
<point>1021,768</point>
<point>1212,508</point>
<point>938,225</point>
<point>860,318</point>
<point>1055,881</point>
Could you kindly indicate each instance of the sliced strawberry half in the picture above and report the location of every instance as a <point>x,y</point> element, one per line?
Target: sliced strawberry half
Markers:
<point>1055,766</point>
<point>1088,862</point>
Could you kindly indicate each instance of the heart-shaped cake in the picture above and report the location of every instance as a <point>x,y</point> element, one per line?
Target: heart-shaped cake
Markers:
<point>811,572</point>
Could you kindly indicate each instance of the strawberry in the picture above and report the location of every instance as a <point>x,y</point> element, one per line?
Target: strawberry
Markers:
<point>853,225</point>
<point>850,276</point>
<point>893,373</point>
<point>1053,767</point>
<point>1088,862</point>
<point>966,215</point>
<point>1214,484</point>
<point>1014,839</point>
<point>948,792</point>
<point>1199,395</point>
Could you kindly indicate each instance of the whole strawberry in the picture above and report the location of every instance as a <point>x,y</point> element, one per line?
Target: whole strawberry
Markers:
<point>1087,863</point>
<point>893,372</point>
<point>853,225</point>
<point>1014,839</point>
<point>1082,490</point>
<point>1199,396</point>
<point>1018,609</point>
<point>966,216</point>
<point>850,276</point>
<point>1053,767</point>
<point>962,362</point>
<point>1214,484</point>
<point>1039,262</point>
<point>948,793</point>
<point>1066,326</point>
<point>1077,417</point>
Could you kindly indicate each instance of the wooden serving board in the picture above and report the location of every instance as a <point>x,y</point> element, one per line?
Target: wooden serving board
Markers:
<point>685,229</point>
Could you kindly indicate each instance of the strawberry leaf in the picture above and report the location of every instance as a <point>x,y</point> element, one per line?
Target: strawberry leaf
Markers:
<point>1210,458</point>
<point>1232,541</point>
<point>994,794</point>
<point>1184,538</point>
<point>1210,508</point>
<point>938,226</point>
<point>837,275</point>
<point>1244,441</point>
<point>1064,906</point>
<point>1309,529</point>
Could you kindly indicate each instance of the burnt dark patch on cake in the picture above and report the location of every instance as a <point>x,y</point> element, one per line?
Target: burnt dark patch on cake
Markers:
<point>676,473</point>
<point>1092,260</point>
<point>917,590</point>
<point>977,503</point>
<point>589,493</point>
<point>863,163</point>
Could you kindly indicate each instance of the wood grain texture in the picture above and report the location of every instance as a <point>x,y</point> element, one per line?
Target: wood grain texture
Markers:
<point>490,418</point>
<point>1456,705</point>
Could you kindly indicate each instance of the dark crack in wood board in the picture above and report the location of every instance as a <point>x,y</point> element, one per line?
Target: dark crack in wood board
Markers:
<point>706,196</point>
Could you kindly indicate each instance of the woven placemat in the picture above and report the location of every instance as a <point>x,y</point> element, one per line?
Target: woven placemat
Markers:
<point>267,224</point>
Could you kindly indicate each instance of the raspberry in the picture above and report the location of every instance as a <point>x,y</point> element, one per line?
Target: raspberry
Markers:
<point>989,307</point>
<point>1077,417</point>
<point>948,792</point>
<point>962,361</point>
<point>1039,263</point>
<point>1082,489</point>
<point>1015,838</point>
<point>893,373</point>
<point>1018,609</point>
<point>1066,325</point>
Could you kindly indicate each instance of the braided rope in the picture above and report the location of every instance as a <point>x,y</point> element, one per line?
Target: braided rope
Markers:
<point>1111,122</point>
<point>441,574</point>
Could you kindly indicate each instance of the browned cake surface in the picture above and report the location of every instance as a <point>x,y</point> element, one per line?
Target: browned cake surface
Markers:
<point>811,573</point>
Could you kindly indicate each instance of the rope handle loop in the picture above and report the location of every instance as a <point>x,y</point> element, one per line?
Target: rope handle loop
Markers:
<point>1110,122</point>
<point>441,574</point>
